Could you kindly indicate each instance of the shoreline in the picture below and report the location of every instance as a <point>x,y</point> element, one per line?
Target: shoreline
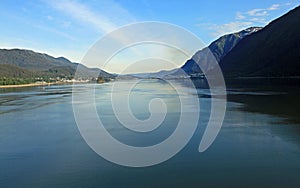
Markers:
<point>25,85</point>
<point>40,84</point>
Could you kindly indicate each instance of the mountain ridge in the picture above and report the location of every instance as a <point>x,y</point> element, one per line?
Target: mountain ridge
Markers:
<point>23,63</point>
<point>219,48</point>
<point>274,51</point>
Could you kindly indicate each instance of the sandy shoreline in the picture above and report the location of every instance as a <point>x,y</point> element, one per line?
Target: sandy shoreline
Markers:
<point>25,85</point>
<point>40,84</point>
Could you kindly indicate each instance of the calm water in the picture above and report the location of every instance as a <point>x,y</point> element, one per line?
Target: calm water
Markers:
<point>258,145</point>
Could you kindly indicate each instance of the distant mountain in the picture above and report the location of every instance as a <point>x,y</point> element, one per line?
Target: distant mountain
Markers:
<point>274,51</point>
<point>26,63</point>
<point>218,48</point>
<point>160,74</point>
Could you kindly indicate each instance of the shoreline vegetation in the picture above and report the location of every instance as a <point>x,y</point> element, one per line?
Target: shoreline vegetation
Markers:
<point>62,81</point>
<point>65,82</point>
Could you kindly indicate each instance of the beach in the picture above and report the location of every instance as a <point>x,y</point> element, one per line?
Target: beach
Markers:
<point>24,85</point>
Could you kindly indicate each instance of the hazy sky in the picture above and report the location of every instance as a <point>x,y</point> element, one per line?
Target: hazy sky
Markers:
<point>70,27</point>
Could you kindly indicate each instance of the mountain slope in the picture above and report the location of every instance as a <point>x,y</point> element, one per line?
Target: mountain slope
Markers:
<point>15,61</point>
<point>31,60</point>
<point>14,71</point>
<point>273,51</point>
<point>219,49</point>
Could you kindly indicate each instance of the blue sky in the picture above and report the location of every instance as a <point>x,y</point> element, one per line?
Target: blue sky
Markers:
<point>70,27</point>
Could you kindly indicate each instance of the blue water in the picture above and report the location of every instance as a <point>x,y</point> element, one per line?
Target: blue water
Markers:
<point>40,144</point>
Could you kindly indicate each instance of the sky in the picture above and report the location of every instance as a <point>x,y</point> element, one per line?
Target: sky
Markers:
<point>70,27</point>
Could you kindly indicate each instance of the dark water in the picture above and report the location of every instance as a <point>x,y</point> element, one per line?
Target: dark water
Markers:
<point>258,145</point>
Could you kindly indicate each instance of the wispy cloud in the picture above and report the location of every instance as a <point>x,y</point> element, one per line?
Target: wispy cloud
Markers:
<point>257,12</point>
<point>231,27</point>
<point>244,20</point>
<point>81,12</point>
<point>263,11</point>
<point>260,20</point>
<point>239,16</point>
<point>274,7</point>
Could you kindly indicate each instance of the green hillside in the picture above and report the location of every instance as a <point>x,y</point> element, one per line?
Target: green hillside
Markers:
<point>17,65</point>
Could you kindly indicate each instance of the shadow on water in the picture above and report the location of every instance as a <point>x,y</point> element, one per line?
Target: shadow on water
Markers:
<point>278,97</point>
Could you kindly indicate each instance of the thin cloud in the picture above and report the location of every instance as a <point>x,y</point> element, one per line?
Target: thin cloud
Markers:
<point>240,16</point>
<point>104,22</point>
<point>243,20</point>
<point>264,11</point>
<point>82,13</point>
<point>219,30</point>
<point>274,7</point>
<point>257,12</point>
<point>259,20</point>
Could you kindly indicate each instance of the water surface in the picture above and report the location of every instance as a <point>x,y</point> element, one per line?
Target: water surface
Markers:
<point>258,145</point>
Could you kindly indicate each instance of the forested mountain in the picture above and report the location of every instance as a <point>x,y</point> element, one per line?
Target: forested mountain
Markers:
<point>17,63</point>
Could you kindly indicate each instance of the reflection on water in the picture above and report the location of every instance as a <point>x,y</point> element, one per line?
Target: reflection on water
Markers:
<point>22,99</point>
<point>258,145</point>
<point>279,97</point>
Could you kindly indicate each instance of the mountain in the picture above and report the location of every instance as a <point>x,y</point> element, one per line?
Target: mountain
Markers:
<point>31,60</point>
<point>160,74</point>
<point>218,48</point>
<point>30,64</point>
<point>274,51</point>
<point>14,71</point>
